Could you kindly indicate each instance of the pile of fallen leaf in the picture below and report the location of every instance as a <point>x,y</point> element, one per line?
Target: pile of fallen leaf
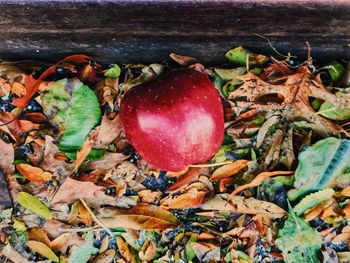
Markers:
<point>73,189</point>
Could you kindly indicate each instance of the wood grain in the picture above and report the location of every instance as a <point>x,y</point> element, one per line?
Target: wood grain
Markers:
<point>147,31</point>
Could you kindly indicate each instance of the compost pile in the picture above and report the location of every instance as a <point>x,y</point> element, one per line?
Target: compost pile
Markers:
<point>73,189</point>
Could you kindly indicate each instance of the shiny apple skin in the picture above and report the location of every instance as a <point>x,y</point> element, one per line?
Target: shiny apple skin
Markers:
<point>175,120</point>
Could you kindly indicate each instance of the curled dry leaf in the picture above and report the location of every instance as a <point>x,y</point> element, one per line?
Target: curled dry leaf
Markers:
<point>85,150</point>
<point>109,130</point>
<point>123,249</point>
<point>148,251</point>
<point>141,216</point>
<point>14,126</point>
<point>240,204</point>
<point>229,169</point>
<point>258,180</point>
<point>33,174</point>
<point>187,178</point>
<point>183,60</point>
<point>191,198</point>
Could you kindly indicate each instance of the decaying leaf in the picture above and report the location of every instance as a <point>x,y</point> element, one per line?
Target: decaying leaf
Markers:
<point>240,204</point>
<point>298,241</point>
<point>109,130</point>
<point>141,216</point>
<point>323,165</point>
<point>68,193</point>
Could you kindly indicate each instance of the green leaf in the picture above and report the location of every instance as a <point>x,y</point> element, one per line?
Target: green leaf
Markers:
<point>190,254</point>
<point>230,74</point>
<point>336,70</point>
<point>323,165</point>
<point>113,72</point>
<point>298,241</point>
<point>312,200</point>
<point>239,55</point>
<point>74,108</point>
<point>94,154</point>
<point>83,253</point>
<point>33,204</point>
<point>327,110</point>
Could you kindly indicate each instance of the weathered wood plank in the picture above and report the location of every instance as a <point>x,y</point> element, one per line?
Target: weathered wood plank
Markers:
<point>134,31</point>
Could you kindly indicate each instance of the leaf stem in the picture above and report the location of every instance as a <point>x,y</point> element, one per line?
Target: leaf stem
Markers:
<point>96,219</point>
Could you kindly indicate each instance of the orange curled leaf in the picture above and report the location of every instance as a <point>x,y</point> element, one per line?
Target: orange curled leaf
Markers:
<point>346,191</point>
<point>192,198</point>
<point>33,174</point>
<point>247,115</point>
<point>185,179</point>
<point>84,152</point>
<point>258,180</point>
<point>32,85</point>
<point>229,169</point>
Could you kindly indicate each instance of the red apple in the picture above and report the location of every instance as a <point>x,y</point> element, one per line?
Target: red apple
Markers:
<point>175,120</point>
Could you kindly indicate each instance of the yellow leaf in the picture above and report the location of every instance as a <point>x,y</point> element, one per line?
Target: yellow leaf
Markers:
<point>42,249</point>
<point>34,204</point>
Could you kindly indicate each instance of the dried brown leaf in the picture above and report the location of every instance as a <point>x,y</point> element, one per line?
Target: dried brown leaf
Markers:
<point>142,216</point>
<point>240,204</point>
<point>7,158</point>
<point>72,190</point>
<point>52,163</point>
<point>108,131</point>
<point>59,242</point>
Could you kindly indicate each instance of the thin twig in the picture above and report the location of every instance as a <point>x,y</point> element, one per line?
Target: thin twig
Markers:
<point>96,219</point>
<point>274,49</point>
